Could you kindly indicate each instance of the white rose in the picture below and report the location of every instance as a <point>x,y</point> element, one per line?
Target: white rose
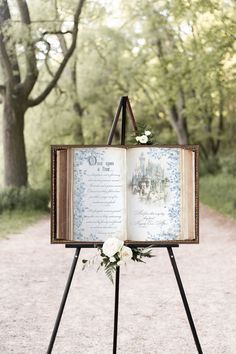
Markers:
<point>111,246</point>
<point>138,138</point>
<point>147,132</point>
<point>125,254</point>
<point>143,139</point>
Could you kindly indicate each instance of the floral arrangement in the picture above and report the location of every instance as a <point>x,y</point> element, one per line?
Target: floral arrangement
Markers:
<point>143,135</point>
<point>144,138</point>
<point>114,253</point>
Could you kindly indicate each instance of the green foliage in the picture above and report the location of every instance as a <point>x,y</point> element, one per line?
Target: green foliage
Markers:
<point>14,221</point>
<point>140,253</point>
<point>53,123</point>
<point>228,164</point>
<point>219,192</point>
<point>13,198</point>
<point>110,271</point>
<point>153,51</point>
<point>210,166</point>
<point>224,163</point>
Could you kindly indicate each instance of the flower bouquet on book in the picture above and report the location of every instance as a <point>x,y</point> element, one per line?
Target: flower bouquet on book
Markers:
<point>114,253</point>
<point>142,136</point>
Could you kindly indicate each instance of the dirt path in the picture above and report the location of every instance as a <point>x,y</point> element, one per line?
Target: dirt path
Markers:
<point>152,318</point>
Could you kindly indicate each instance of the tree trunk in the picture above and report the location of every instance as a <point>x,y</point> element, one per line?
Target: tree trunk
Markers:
<point>78,131</point>
<point>17,90</point>
<point>179,124</point>
<point>181,133</point>
<point>78,109</point>
<point>15,171</point>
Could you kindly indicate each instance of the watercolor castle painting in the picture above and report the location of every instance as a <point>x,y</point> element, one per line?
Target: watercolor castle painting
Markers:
<point>149,181</point>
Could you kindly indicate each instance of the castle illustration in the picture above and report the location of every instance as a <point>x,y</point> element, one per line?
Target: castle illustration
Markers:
<point>148,180</point>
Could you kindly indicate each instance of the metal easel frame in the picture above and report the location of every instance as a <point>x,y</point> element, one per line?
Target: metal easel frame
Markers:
<point>124,107</point>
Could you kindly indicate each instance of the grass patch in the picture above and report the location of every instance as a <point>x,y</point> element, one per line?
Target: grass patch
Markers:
<point>16,220</point>
<point>13,198</point>
<point>219,192</point>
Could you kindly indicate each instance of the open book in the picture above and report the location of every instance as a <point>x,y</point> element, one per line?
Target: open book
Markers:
<point>135,193</point>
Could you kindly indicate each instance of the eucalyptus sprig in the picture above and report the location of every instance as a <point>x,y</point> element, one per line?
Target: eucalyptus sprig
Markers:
<point>140,253</point>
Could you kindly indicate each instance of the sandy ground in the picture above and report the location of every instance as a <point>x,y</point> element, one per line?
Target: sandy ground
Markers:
<point>152,319</point>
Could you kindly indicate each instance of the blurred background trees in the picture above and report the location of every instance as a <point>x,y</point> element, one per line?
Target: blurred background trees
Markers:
<point>176,60</point>
<point>21,45</point>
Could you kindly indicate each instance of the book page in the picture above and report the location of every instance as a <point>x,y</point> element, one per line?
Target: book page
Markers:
<point>98,193</point>
<point>188,195</point>
<point>154,193</point>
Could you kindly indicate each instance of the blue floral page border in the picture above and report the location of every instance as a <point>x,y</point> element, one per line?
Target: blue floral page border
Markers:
<point>79,190</point>
<point>173,173</point>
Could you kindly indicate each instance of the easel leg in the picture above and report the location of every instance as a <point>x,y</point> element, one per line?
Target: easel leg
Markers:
<point>63,301</point>
<point>183,295</point>
<point>117,283</point>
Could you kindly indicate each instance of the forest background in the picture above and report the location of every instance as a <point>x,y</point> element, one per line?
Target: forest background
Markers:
<point>65,63</point>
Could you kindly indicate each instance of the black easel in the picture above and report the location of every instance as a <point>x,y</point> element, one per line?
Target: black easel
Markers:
<point>124,107</point>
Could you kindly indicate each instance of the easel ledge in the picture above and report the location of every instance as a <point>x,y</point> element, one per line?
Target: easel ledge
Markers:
<point>131,245</point>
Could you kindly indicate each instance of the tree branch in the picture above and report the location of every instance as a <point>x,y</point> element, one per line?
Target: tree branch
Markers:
<point>63,44</point>
<point>31,63</point>
<point>221,119</point>
<point>56,32</point>
<point>47,57</point>
<point>53,82</point>
<point>2,89</point>
<point>48,46</point>
<point>5,58</point>
<point>76,104</point>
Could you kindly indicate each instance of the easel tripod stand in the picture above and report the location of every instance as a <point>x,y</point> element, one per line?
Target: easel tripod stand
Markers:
<point>123,108</point>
